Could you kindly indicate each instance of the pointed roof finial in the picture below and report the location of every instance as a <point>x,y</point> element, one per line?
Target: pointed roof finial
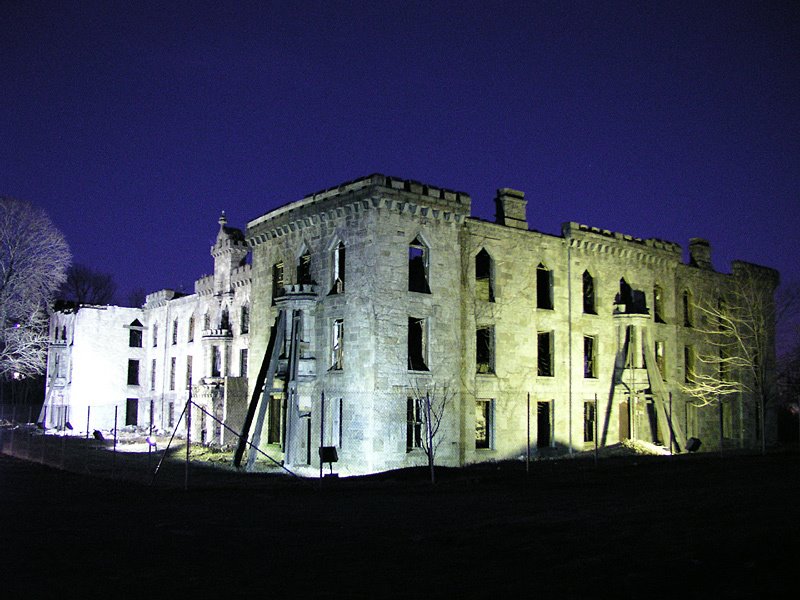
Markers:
<point>223,219</point>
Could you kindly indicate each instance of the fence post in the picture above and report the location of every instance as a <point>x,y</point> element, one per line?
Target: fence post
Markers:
<point>88,415</point>
<point>44,432</point>
<point>528,444</point>
<point>114,451</point>
<point>188,439</point>
<point>30,435</point>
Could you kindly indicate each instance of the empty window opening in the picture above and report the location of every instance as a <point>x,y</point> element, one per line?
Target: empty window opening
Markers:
<point>338,268</point>
<point>418,267</point>
<point>337,345</point>
<point>589,421</point>
<point>544,362</point>
<point>544,287</point>
<point>188,372</point>
<point>687,309</point>
<point>588,294</point>
<point>175,332</point>
<point>417,344</point>
<point>589,359</point>
<point>243,362</point>
<point>132,411</point>
<point>155,334</point>
<point>484,424</point>
<point>658,304</point>
<point>216,361</point>
<point>660,364</point>
<point>171,414</point>
<point>304,268</point>
<point>244,320</point>
<point>206,321</point>
<point>133,372</point>
<point>277,280</point>
<point>632,301</point>
<point>172,373</point>
<point>484,276</point>
<point>224,319</point>
<point>543,425</point>
<point>413,424</point>
<point>688,363</point>
<point>190,336</point>
<point>153,374</point>
<point>484,350</point>
<point>135,334</point>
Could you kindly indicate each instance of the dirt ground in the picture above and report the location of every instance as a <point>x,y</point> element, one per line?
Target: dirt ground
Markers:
<point>631,527</point>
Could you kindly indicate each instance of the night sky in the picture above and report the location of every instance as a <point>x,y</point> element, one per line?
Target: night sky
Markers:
<point>134,124</point>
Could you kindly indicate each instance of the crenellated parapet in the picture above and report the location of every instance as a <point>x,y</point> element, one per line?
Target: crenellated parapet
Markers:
<point>352,198</point>
<point>621,245</point>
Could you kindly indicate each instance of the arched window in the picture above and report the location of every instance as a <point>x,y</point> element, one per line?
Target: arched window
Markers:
<point>544,287</point>
<point>191,329</point>
<point>588,294</point>
<point>224,319</point>
<point>155,334</point>
<point>418,263</point>
<point>484,276</point>
<point>135,334</point>
<point>337,284</point>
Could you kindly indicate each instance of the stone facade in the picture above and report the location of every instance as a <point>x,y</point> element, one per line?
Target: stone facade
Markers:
<point>391,293</point>
<point>144,362</point>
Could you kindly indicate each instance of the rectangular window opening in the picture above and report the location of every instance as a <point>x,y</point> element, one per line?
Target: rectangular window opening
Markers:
<point>132,411</point>
<point>589,421</point>
<point>484,424</point>
<point>133,372</point>
<point>589,362</point>
<point>172,364</point>
<point>417,344</point>
<point>484,350</point>
<point>413,424</point>
<point>337,345</point>
<point>544,363</point>
<point>544,288</point>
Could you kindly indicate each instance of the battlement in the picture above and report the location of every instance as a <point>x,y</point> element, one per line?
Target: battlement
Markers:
<point>458,202</point>
<point>573,230</point>
<point>161,297</point>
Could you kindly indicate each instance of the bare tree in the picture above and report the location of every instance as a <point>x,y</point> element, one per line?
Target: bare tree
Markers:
<point>34,257</point>
<point>86,286</point>
<point>739,328</point>
<point>430,405</point>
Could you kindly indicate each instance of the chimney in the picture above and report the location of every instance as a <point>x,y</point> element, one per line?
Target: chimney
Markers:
<point>510,208</point>
<point>700,253</point>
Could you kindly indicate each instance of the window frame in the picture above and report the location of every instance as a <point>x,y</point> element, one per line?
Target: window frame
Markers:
<point>418,360</point>
<point>337,345</point>
<point>541,371</point>
<point>488,366</point>
<point>485,407</point>
<point>419,266</point>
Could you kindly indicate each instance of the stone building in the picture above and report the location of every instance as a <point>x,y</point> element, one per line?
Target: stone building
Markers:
<point>369,301</point>
<point>138,365</point>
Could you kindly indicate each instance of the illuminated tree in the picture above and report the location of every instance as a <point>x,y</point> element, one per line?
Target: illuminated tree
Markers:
<point>34,257</point>
<point>85,286</point>
<point>739,330</point>
<point>430,405</point>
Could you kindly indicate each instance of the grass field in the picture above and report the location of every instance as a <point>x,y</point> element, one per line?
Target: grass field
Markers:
<point>630,527</point>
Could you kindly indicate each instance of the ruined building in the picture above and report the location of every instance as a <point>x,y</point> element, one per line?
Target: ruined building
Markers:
<point>367,302</point>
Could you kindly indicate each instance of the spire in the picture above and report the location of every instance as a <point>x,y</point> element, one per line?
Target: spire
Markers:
<point>222,220</point>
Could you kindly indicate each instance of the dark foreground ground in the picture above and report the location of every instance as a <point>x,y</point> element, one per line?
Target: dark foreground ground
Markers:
<point>637,527</point>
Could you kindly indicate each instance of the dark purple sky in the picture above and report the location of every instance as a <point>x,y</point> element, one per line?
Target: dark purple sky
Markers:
<point>134,124</point>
